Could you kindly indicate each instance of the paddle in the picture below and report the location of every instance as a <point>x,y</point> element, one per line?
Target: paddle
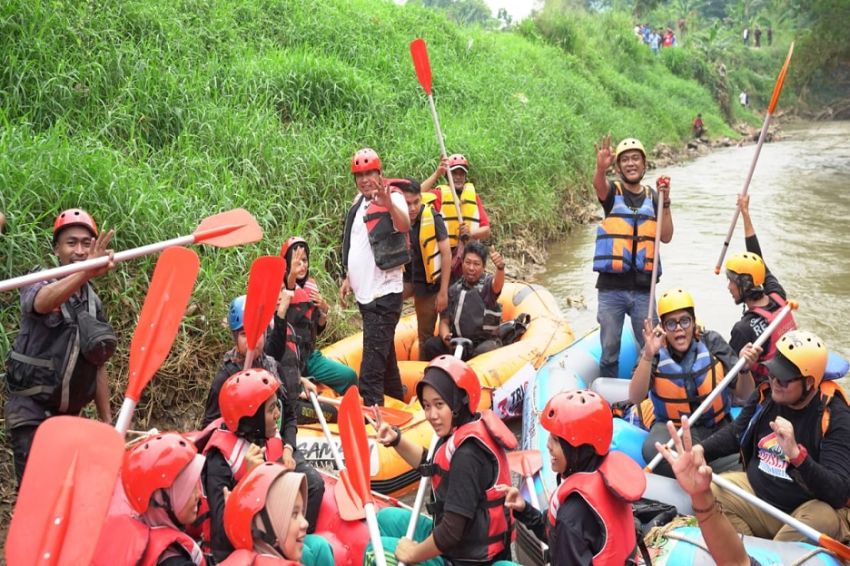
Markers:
<point>356,448</point>
<point>168,296</point>
<point>419,53</point>
<point>395,417</point>
<point>460,344</point>
<point>526,463</point>
<point>656,254</point>
<point>65,492</point>
<point>777,89</point>
<point>264,284</point>
<point>693,417</point>
<point>224,230</point>
<point>350,506</point>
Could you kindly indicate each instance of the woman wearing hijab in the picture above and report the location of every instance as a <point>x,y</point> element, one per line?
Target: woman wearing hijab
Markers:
<point>264,520</point>
<point>161,479</point>
<point>471,525</point>
<point>307,313</point>
<point>589,517</point>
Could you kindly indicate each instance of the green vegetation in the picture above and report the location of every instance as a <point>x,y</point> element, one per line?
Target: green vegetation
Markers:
<point>153,114</point>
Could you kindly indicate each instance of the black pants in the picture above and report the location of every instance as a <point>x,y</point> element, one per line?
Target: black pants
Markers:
<point>435,346</point>
<point>379,368</point>
<point>21,440</point>
<point>658,433</point>
<point>315,489</point>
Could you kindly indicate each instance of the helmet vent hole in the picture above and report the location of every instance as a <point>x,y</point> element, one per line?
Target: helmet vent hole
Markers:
<point>182,443</point>
<point>551,413</point>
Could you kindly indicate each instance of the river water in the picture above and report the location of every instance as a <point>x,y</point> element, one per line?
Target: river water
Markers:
<point>799,206</point>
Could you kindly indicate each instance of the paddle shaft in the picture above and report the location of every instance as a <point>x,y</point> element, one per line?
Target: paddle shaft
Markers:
<point>443,153</point>
<point>693,417</point>
<point>744,190</point>
<point>656,255</point>
<point>321,416</point>
<point>125,416</point>
<point>375,533</point>
<point>532,494</point>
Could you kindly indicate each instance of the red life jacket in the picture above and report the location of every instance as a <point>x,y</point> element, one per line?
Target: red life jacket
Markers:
<point>609,491</point>
<point>788,323</point>
<point>244,557</point>
<point>127,541</point>
<point>491,528</point>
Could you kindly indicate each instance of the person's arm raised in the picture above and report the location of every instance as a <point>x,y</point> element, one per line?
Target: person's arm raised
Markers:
<point>604,160</point>
<point>654,339</point>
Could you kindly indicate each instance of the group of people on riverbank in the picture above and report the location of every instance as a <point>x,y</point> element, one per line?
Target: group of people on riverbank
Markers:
<point>239,492</point>
<point>657,38</point>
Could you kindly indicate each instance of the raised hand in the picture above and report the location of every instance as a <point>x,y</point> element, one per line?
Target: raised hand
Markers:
<point>513,500</point>
<point>604,153</point>
<point>653,338</point>
<point>99,248</point>
<point>689,466</point>
<point>497,260</point>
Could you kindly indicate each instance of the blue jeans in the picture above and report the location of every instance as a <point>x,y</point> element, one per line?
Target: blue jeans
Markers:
<point>614,305</point>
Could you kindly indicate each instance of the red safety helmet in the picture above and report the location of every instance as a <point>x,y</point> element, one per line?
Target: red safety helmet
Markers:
<point>246,500</point>
<point>244,393</point>
<point>73,217</point>
<point>291,242</point>
<point>580,417</point>
<point>154,465</point>
<point>463,376</point>
<point>365,159</point>
<point>458,161</point>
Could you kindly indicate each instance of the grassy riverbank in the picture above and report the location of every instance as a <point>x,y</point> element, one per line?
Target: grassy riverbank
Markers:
<point>152,114</point>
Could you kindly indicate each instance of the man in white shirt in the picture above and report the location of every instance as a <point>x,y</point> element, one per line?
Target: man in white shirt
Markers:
<point>375,246</point>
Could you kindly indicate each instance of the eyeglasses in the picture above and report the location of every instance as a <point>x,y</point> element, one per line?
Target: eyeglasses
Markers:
<point>786,381</point>
<point>671,324</point>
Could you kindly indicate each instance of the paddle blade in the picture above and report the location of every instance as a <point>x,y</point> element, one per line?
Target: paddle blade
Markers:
<point>419,53</point>
<point>520,460</point>
<point>780,81</point>
<point>355,445</point>
<point>232,228</point>
<point>264,285</point>
<point>347,501</point>
<point>166,302</point>
<point>71,473</point>
<point>395,417</point>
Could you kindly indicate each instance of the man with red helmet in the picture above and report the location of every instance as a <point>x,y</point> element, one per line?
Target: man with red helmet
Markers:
<point>161,479</point>
<point>476,223</point>
<point>470,523</point>
<point>375,247</point>
<point>56,364</point>
<point>589,517</point>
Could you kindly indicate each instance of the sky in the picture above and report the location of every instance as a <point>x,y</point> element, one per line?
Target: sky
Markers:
<point>519,9</point>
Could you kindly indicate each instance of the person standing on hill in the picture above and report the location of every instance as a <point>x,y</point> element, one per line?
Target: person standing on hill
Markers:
<point>752,284</point>
<point>476,223</point>
<point>698,126</point>
<point>757,36</point>
<point>375,247</point>
<point>57,363</point>
<point>769,36</point>
<point>746,36</point>
<point>425,278</point>
<point>625,243</point>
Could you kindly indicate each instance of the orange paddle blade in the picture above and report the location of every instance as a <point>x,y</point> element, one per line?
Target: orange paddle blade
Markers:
<point>232,228</point>
<point>835,547</point>
<point>419,53</point>
<point>777,88</point>
<point>347,501</point>
<point>525,462</point>
<point>355,445</point>
<point>168,296</point>
<point>264,285</point>
<point>395,417</point>
<point>70,476</point>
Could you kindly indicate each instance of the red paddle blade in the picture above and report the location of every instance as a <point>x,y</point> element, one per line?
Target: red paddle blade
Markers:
<point>347,501</point>
<point>835,547</point>
<point>232,228</point>
<point>780,80</point>
<point>264,285</point>
<point>419,52</point>
<point>70,475</point>
<point>522,460</point>
<point>166,302</point>
<point>355,445</point>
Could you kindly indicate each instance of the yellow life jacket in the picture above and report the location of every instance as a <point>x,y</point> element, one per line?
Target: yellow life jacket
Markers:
<point>468,207</point>
<point>428,247</point>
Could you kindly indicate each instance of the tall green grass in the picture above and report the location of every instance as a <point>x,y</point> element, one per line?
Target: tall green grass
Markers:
<point>152,114</point>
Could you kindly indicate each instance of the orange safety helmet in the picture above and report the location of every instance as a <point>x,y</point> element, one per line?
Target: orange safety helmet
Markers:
<point>458,161</point>
<point>580,417</point>
<point>153,465</point>
<point>244,393</point>
<point>463,376</point>
<point>365,159</point>
<point>73,217</point>
<point>246,500</point>
<point>290,242</point>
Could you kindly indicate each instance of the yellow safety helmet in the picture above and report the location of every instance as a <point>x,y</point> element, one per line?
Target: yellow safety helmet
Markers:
<point>799,353</point>
<point>629,144</point>
<point>674,300</point>
<point>747,270</point>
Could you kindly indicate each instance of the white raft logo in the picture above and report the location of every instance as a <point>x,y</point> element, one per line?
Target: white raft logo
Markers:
<point>318,450</point>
